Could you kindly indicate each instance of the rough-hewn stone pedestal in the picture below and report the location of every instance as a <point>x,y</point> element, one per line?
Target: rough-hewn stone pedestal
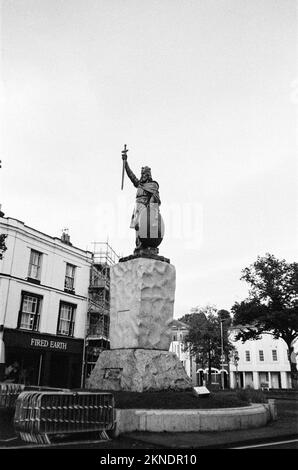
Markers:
<point>141,310</point>
<point>142,303</point>
<point>139,370</point>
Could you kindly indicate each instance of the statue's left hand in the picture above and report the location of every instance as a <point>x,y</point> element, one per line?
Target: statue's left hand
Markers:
<point>124,156</point>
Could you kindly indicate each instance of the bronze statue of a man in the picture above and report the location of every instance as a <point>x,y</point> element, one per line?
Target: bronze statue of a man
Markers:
<point>147,195</point>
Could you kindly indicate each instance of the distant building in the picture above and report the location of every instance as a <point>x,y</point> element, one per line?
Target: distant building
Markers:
<point>257,364</point>
<point>261,363</point>
<point>179,332</point>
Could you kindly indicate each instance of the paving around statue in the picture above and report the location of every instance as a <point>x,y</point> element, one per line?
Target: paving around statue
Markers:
<point>285,429</point>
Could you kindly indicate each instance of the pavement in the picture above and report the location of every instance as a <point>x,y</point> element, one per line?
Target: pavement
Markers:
<point>285,427</point>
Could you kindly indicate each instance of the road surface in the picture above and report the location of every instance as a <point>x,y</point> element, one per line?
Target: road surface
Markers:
<point>279,444</point>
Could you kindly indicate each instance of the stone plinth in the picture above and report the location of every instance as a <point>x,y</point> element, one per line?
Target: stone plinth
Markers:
<point>141,310</point>
<point>139,370</point>
<point>142,301</point>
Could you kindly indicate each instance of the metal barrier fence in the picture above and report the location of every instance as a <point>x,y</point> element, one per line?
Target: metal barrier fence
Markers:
<point>40,415</point>
<point>9,392</point>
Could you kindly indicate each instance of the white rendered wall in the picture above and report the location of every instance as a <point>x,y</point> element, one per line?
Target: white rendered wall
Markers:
<point>177,347</point>
<point>266,344</point>
<point>55,254</point>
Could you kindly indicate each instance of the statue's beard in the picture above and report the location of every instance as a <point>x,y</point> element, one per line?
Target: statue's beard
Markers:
<point>145,179</point>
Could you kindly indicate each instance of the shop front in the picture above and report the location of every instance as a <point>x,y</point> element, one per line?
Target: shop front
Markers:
<point>42,359</point>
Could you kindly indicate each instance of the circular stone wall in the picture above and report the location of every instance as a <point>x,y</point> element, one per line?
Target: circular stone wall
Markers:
<point>225,419</point>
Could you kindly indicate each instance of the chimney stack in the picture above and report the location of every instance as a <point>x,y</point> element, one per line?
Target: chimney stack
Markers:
<point>65,238</point>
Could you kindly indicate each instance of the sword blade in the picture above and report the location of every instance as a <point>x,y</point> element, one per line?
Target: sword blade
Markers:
<point>122,181</point>
<point>124,151</point>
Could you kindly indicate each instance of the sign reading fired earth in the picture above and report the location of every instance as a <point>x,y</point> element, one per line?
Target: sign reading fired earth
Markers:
<point>146,218</point>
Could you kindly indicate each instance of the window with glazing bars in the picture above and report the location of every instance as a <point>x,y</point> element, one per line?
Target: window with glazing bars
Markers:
<point>29,312</point>
<point>35,265</point>
<point>261,355</point>
<point>274,354</point>
<point>66,319</point>
<point>69,277</point>
<point>247,355</point>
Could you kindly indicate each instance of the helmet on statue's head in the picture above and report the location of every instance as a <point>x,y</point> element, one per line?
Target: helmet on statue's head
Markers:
<point>146,173</point>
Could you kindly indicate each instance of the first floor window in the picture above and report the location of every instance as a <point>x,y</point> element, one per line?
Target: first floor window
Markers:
<point>66,319</point>
<point>69,277</point>
<point>274,354</point>
<point>261,355</point>
<point>29,312</point>
<point>247,355</point>
<point>35,265</point>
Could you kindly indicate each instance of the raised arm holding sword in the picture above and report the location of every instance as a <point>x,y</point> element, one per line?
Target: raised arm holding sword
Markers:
<point>147,197</point>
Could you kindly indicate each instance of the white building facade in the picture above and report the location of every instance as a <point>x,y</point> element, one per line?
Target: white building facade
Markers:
<point>177,346</point>
<point>44,284</point>
<point>261,363</point>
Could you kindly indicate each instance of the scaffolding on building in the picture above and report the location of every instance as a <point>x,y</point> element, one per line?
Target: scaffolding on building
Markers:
<point>98,315</point>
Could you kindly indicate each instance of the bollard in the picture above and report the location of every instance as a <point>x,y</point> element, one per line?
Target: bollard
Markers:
<point>272,409</point>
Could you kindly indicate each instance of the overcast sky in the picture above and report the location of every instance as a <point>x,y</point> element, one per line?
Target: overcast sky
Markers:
<point>205,92</point>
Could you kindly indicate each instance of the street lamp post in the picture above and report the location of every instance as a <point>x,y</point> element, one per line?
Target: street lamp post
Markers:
<point>222,355</point>
<point>236,359</point>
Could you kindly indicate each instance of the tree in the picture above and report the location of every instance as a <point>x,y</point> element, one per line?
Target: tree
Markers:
<point>204,336</point>
<point>272,305</point>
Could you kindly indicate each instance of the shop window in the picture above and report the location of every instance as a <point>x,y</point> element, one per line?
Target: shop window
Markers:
<point>274,354</point>
<point>34,271</point>
<point>247,356</point>
<point>29,314</point>
<point>261,355</point>
<point>66,319</point>
<point>69,277</point>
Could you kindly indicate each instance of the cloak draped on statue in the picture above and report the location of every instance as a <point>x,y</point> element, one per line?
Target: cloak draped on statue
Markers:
<point>146,193</point>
